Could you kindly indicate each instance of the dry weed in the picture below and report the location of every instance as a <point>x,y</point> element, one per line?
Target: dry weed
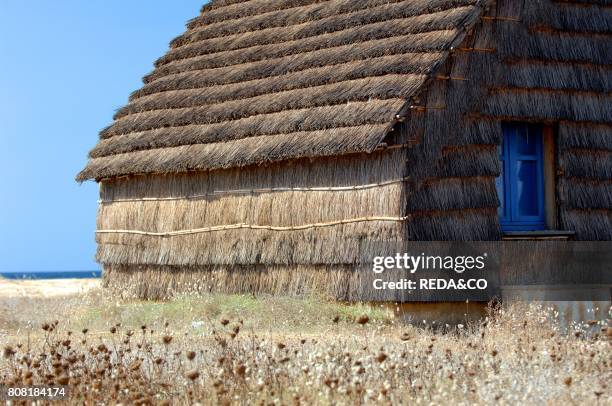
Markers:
<point>516,355</point>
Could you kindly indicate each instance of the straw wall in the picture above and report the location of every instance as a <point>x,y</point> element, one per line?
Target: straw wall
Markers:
<point>455,164</point>
<point>351,189</point>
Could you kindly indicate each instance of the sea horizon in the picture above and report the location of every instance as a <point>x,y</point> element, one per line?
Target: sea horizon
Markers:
<point>51,274</point>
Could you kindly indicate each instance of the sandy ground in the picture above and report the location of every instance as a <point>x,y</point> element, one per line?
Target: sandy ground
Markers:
<point>45,288</point>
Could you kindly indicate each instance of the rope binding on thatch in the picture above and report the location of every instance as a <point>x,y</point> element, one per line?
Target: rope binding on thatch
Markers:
<point>440,77</point>
<point>499,18</point>
<point>253,227</point>
<point>258,191</point>
<point>476,49</point>
<point>425,108</point>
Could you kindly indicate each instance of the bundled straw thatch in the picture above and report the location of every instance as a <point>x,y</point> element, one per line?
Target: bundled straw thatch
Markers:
<point>289,195</point>
<point>275,137</point>
<point>265,82</point>
<point>558,69</point>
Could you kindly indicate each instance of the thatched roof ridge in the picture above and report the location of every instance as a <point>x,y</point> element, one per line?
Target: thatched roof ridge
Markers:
<point>287,13</point>
<point>203,74</point>
<point>223,10</point>
<point>227,51</point>
<point>300,24</point>
<point>258,81</point>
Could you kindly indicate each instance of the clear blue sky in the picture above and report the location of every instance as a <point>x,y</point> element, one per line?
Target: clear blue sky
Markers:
<point>65,67</point>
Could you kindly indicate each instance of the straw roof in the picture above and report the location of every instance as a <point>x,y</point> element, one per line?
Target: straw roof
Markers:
<point>259,81</point>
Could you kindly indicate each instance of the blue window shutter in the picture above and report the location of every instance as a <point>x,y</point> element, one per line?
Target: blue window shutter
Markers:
<point>520,186</point>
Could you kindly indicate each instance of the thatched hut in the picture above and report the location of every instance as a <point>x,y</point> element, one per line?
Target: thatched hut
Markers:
<point>273,135</point>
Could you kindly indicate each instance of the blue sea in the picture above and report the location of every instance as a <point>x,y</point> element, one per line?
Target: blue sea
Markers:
<point>52,275</point>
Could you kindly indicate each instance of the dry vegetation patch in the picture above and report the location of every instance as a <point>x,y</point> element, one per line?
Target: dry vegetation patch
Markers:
<point>244,350</point>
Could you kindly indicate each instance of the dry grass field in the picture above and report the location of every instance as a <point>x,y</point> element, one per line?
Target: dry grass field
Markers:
<point>273,350</point>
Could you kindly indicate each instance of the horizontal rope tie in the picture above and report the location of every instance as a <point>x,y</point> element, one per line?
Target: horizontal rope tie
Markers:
<point>425,108</point>
<point>440,77</point>
<point>477,49</point>
<point>257,191</point>
<point>252,227</point>
<point>500,18</point>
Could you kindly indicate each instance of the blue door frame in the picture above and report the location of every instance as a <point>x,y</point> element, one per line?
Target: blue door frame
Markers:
<point>520,186</point>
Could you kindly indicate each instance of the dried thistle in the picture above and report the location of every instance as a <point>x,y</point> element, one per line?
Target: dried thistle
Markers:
<point>363,319</point>
<point>192,375</point>
<point>63,380</point>
<point>8,351</point>
<point>240,370</point>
